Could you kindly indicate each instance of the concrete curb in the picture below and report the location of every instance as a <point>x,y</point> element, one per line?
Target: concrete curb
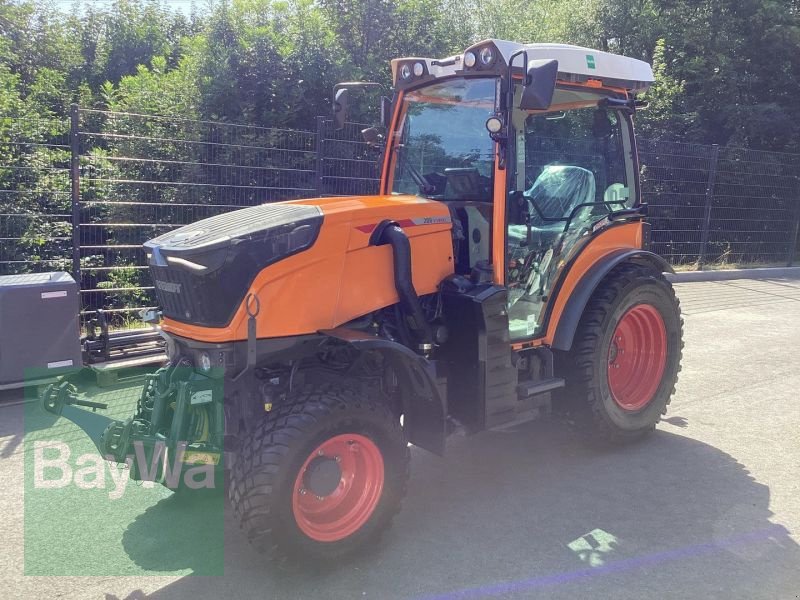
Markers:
<point>728,274</point>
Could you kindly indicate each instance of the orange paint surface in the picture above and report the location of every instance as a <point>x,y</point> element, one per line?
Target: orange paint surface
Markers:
<point>629,235</point>
<point>341,276</point>
<point>499,222</point>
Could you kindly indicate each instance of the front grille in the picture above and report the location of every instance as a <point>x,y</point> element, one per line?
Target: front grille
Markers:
<point>202,272</point>
<point>209,299</point>
<point>175,290</point>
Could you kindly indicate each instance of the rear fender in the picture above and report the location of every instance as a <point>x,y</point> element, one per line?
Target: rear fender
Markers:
<point>424,399</point>
<point>579,298</point>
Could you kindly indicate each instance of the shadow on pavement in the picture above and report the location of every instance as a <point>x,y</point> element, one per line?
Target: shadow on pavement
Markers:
<point>182,531</point>
<point>507,513</point>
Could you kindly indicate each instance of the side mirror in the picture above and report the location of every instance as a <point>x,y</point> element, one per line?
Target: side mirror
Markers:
<point>340,107</point>
<point>540,85</point>
<point>372,137</point>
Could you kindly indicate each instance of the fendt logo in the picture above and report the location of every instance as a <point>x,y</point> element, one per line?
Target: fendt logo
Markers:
<point>166,286</point>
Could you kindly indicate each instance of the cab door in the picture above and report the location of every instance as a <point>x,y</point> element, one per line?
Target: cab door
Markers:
<point>570,169</point>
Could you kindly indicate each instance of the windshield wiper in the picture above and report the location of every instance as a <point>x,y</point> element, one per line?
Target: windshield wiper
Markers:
<point>423,184</point>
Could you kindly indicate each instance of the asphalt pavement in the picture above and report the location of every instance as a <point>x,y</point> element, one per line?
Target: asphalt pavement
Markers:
<point>707,507</point>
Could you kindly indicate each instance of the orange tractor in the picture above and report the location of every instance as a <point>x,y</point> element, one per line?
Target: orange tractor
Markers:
<point>502,270</point>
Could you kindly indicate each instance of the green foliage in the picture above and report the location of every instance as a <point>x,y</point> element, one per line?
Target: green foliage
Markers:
<point>665,117</point>
<point>157,90</point>
<point>727,72</point>
<point>727,69</point>
<point>124,287</point>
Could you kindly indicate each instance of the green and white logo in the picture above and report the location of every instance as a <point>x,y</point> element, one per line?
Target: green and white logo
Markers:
<point>87,516</point>
<point>590,61</point>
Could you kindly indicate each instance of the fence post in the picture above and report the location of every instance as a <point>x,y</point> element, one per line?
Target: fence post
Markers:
<point>320,183</point>
<point>712,177</point>
<point>75,165</point>
<point>795,237</point>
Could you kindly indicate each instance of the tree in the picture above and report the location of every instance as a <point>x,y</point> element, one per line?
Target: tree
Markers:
<point>665,116</point>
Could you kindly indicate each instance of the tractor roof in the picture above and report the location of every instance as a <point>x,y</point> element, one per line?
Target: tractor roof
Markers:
<point>575,64</point>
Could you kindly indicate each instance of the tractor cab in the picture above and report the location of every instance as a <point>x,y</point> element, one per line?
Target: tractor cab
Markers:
<point>529,146</point>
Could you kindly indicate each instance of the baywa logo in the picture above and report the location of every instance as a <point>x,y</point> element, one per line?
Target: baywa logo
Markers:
<point>54,467</point>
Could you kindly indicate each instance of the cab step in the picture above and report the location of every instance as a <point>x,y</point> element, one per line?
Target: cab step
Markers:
<point>537,403</point>
<point>543,386</point>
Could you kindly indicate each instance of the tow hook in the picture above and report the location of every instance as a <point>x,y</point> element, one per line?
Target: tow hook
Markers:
<point>62,400</point>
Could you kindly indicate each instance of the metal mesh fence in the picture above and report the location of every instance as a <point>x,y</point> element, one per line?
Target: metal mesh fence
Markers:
<point>720,206</point>
<point>137,176</point>
<point>754,211</point>
<point>675,183</point>
<point>35,217</point>
<point>142,175</point>
<point>345,164</point>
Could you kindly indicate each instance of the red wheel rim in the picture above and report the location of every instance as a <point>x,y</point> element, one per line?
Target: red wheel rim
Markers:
<point>637,357</point>
<point>334,515</point>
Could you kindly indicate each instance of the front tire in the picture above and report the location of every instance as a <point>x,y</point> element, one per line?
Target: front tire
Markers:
<point>625,358</point>
<point>321,476</point>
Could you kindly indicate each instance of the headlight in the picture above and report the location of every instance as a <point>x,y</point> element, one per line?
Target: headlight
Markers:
<point>205,361</point>
<point>186,263</point>
<point>494,124</point>
<point>419,69</point>
<point>487,56</point>
<point>405,71</point>
<point>469,59</point>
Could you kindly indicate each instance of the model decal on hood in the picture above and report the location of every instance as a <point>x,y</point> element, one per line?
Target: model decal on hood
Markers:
<point>408,223</point>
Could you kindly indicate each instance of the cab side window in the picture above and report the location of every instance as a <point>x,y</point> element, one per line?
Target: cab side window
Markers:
<point>586,139</point>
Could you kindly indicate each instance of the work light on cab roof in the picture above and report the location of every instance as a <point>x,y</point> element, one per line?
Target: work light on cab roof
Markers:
<point>576,64</point>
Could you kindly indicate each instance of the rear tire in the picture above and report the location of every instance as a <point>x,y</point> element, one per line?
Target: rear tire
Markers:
<point>321,476</point>
<point>625,358</point>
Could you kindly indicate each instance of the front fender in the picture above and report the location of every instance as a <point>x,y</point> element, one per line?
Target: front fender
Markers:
<point>579,298</point>
<point>424,400</point>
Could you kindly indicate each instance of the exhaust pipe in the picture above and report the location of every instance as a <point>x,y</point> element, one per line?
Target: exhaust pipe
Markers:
<point>390,233</point>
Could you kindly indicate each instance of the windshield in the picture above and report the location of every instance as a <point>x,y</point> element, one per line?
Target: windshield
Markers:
<point>444,149</point>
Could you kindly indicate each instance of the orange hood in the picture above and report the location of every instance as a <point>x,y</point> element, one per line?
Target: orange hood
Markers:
<point>341,276</point>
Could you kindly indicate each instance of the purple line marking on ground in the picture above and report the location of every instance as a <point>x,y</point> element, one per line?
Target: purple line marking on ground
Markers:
<point>627,564</point>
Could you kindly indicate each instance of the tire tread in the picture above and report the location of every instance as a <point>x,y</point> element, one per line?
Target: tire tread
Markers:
<point>582,356</point>
<point>255,483</point>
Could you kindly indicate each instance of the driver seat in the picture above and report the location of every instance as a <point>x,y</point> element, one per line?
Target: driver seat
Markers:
<point>558,190</point>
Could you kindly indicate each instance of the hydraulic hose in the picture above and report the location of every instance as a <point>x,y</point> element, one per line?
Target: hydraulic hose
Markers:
<point>393,235</point>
